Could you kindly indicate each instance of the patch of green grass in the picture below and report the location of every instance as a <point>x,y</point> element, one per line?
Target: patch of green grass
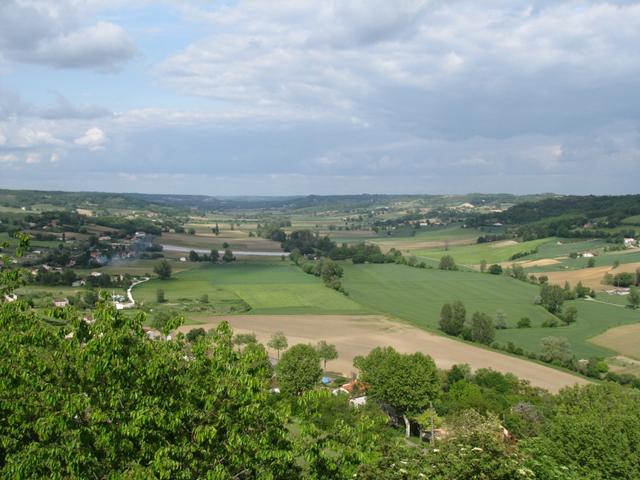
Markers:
<point>593,319</point>
<point>493,252</point>
<point>563,247</point>
<point>417,295</point>
<point>269,288</point>
<point>601,260</point>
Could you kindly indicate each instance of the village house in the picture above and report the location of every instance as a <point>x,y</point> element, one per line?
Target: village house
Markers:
<point>630,242</point>
<point>60,302</point>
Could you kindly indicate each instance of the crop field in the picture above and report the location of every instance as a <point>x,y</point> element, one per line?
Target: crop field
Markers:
<point>591,277</point>
<point>268,287</point>
<point>358,334</point>
<point>562,247</point>
<point>417,295</point>
<point>430,237</point>
<point>493,252</point>
<point>602,259</point>
<point>593,319</point>
<point>236,239</point>
<point>622,339</point>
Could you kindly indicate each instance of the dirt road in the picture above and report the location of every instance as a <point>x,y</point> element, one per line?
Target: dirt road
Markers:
<point>357,335</point>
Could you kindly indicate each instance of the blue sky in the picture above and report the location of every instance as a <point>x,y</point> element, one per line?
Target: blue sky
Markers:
<point>298,97</point>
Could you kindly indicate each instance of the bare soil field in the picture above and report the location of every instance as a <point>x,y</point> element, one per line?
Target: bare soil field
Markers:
<point>543,262</point>
<point>358,334</point>
<point>407,245</point>
<point>503,243</point>
<point>624,339</point>
<point>238,240</point>
<point>591,277</point>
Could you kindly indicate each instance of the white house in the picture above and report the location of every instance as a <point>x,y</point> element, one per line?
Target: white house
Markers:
<point>630,242</point>
<point>60,302</point>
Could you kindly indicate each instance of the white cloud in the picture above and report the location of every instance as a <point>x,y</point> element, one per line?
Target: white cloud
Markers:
<point>93,139</point>
<point>8,158</point>
<point>30,137</point>
<point>51,34</point>
<point>32,158</point>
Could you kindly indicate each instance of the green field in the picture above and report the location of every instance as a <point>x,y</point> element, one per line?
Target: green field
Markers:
<point>593,319</point>
<point>269,288</point>
<point>493,252</point>
<point>601,260</point>
<point>417,295</point>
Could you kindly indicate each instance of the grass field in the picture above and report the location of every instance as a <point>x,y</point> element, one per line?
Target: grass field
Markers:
<point>494,252</point>
<point>593,319</point>
<point>417,295</point>
<point>430,237</point>
<point>623,339</point>
<point>268,287</point>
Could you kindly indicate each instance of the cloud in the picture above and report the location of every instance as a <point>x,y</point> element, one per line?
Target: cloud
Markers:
<point>93,139</point>
<point>49,34</point>
<point>32,158</point>
<point>8,158</point>
<point>31,137</point>
<point>63,109</point>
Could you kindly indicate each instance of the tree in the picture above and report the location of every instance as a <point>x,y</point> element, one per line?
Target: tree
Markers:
<point>204,298</point>
<point>555,348</point>
<point>482,329</point>
<point>591,262</point>
<point>195,333</point>
<point>452,318</point>
<point>163,270</point>
<point>495,269</point>
<point>623,279</point>
<point>634,297</point>
<point>570,314</point>
<point>447,263</point>
<point>483,266</point>
<point>278,342</point>
<point>407,382</point>
<point>326,351</point>
<point>214,256</point>
<point>299,369</point>
<point>244,338</point>
<point>524,322</point>
<point>228,256</point>
<point>501,320</point>
<point>552,297</point>
<point>446,316</point>
<point>160,298</point>
<point>193,256</point>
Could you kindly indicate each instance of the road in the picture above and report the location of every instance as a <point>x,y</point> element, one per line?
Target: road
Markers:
<point>177,248</point>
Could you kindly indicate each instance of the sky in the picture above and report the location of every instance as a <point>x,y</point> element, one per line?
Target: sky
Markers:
<point>298,97</point>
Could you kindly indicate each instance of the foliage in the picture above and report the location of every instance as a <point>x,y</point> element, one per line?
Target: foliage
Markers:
<point>326,351</point>
<point>407,382</point>
<point>299,369</point>
<point>495,269</point>
<point>163,270</point>
<point>552,297</point>
<point>447,263</point>
<point>482,328</point>
<point>278,342</point>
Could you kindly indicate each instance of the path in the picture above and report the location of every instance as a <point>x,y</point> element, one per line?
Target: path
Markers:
<point>132,302</point>
<point>253,253</point>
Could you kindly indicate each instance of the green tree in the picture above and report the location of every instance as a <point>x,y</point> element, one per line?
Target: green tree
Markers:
<point>501,320</point>
<point>447,263</point>
<point>483,265</point>
<point>163,270</point>
<point>278,342</point>
<point>634,297</point>
<point>299,369</point>
<point>452,318</point>
<point>555,348</point>
<point>193,256</point>
<point>407,382</point>
<point>195,333</point>
<point>160,298</point>
<point>524,322</point>
<point>482,328</point>
<point>552,297</point>
<point>495,269</point>
<point>570,314</point>
<point>204,298</point>
<point>326,351</point>
<point>214,256</point>
<point>591,262</point>
<point>446,317</point>
<point>244,338</point>
<point>228,256</point>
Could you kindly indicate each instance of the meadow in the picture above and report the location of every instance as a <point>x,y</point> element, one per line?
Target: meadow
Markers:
<point>493,252</point>
<point>267,287</point>
<point>417,295</point>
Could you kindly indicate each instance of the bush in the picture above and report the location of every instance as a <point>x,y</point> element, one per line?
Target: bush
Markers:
<point>495,269</point>
<point>524,322</point>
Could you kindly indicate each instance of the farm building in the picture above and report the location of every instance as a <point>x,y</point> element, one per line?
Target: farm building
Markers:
<point>60,302</point>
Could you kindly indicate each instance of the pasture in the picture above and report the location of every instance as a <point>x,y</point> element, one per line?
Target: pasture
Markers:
<point>493,252</point>
<point>594,318</point>
<point>417,295</point>
<point>267,287</point>
<point>622,339</point>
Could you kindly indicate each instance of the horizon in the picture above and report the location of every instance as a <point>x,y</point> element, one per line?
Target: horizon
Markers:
<point>246,97</point>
